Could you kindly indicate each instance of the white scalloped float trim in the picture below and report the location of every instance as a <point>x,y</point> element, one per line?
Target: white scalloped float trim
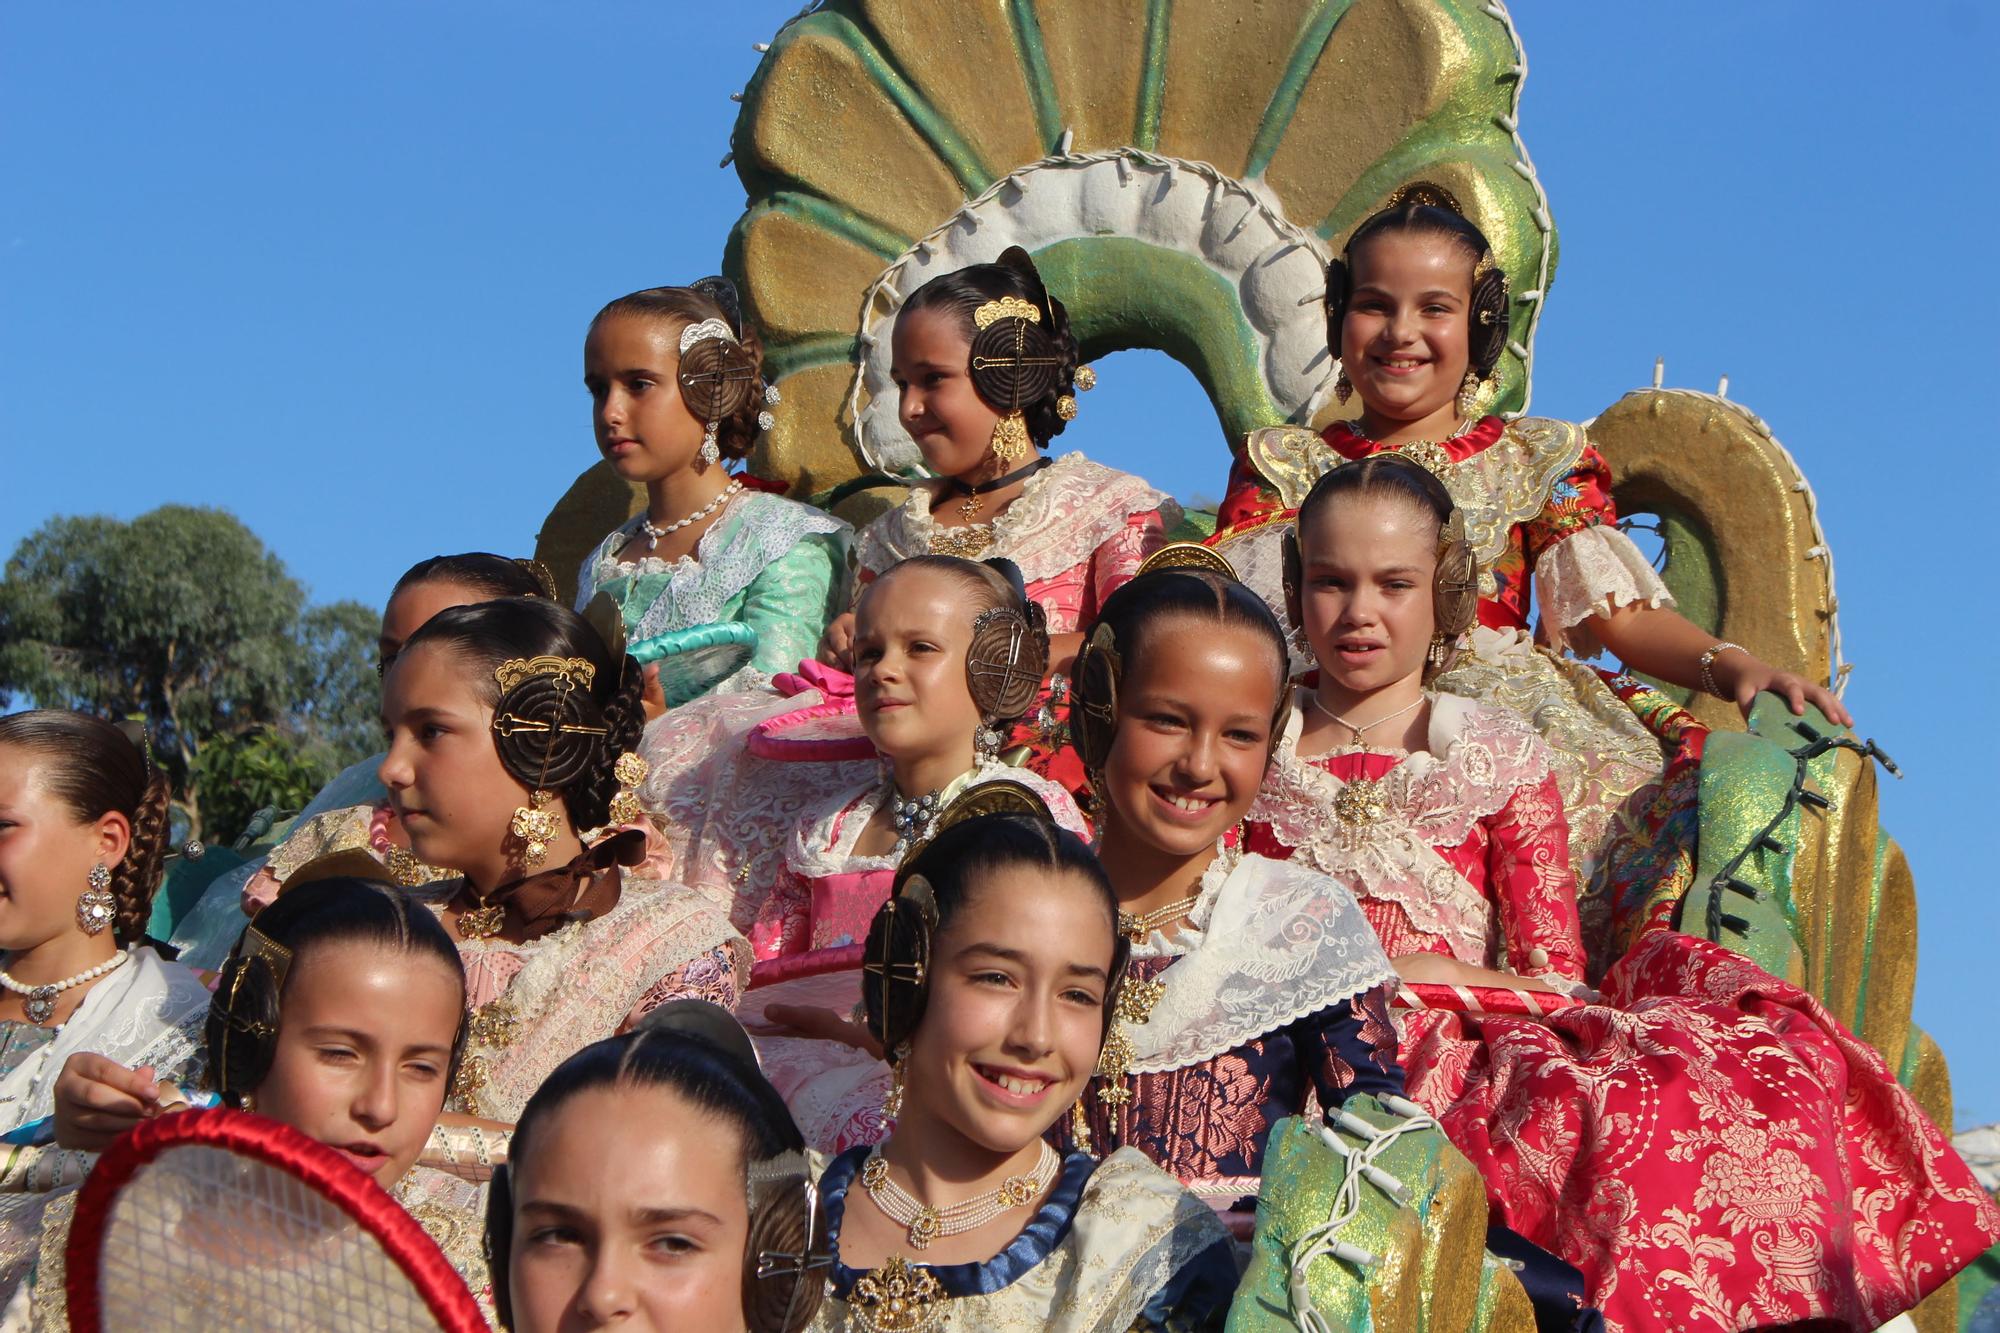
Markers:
<point>1277,268</point>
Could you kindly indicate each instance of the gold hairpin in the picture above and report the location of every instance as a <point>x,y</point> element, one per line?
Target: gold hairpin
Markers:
<point>573,670</point>
<point>1006,307</point>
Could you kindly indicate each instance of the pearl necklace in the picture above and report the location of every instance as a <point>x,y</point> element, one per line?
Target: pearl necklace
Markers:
<point>1137,928</point>
<point>925,1224</point>
<point>654,532</point>
<point>42,999</point>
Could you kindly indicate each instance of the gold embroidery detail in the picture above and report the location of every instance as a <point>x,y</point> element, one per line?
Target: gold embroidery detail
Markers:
<point>897,1298</point>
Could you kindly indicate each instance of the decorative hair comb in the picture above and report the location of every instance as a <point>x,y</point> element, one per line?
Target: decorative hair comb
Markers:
<point>1005,307</point>
<point>1189,555</point>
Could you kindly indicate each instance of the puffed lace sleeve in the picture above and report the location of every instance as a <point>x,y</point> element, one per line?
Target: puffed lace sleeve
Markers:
<point>1533,885</point>
<point>1584,565</point>
<point>790,602</point>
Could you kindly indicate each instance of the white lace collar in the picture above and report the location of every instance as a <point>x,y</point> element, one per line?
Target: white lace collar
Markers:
<point>1279,943</point>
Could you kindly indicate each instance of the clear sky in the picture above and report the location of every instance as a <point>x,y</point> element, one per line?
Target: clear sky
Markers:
<point>329,266</point>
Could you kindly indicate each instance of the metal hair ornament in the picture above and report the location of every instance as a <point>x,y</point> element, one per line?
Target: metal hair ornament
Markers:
<point>277,960</point>
<point>1005,307</point>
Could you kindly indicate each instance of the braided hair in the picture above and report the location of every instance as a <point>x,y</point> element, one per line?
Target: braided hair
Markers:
<point>960,293</point>
<point>707,298</point>
<point>576,762</point>
<point>1424,209</point>
<point>96,769</point>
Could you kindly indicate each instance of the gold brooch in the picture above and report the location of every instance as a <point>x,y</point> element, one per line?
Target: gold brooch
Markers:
<point>1133,1005</point>
<point>897,1298</point>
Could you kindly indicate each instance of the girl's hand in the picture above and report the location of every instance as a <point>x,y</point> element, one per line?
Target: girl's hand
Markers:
<point>836,646</point>
<point>810,1021</point>
<point>653,699</point>
<point>1743,676</point>
<point>97,1099</point>
<point>1436,969</point>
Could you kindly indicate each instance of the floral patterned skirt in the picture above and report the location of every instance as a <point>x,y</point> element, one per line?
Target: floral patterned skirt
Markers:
<point>1708,1145</point>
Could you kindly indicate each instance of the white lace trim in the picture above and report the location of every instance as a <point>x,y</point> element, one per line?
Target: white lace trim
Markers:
<point>1479,757</point>
<point>1281,943</point>
<point>817,852</point>
<point>755,529</point>
<point>1063,514</point>
<point>1589,573</point>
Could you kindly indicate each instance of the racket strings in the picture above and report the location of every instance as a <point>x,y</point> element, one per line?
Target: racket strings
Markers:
<point>201,1238</point>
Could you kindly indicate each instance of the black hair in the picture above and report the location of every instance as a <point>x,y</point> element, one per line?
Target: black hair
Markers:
<point>689,1056</point>
<point>1384,474</point>
<point>708,298</point>
<point>1131,616</point>
<point>962,292</point>
<point>94,768</point>
<point>483,572</point>
<point>954,864</point>
<point>243,1019</point>
<point>489,633</point>
<point>1430,211</point>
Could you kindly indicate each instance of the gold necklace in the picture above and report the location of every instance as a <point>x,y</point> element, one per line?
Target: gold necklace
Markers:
<point>924,1224</point>
<point>1359,732</point>
<point>1431,455</point>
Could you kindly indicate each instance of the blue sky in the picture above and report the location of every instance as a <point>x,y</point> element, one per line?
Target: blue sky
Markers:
<point>329,266</point>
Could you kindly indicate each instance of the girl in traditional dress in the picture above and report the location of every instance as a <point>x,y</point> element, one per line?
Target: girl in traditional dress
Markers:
<point>991,977</point>
<point>83,829</point>
<point>987,368</point>
<point>676,387</point>
<point>341,1012</point>
<point>948,654</point>
<point>1418,315</point>
<point>352,813</point>
<point>658,1182</point>
<point>1254,984</point>
<point>510,735</point>
<point>1706,1143</point>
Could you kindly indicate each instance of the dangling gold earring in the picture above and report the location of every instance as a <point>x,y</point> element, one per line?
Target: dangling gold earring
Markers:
<point>1079,1122</point>
<point>534,826</point>
<point>1343,387</point>
<point>892,1105</point>
<point>630,770</point>
<point>249,1103</point>
<point>1470,392</point>
<point>1436,656</point>
<point>1010,437</point>
<point>95,906</point>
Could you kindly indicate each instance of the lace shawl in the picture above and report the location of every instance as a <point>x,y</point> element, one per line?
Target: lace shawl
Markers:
<point>755,530</point>
<point>1479,757</point>
<point>1272,943</point>
<point>148,1012</point>
<point>577,985</point>
<point>1061,517</point>
<point>1591,572</point>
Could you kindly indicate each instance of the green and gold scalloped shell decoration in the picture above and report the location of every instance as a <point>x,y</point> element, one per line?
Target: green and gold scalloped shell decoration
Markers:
<point>1180,171</point>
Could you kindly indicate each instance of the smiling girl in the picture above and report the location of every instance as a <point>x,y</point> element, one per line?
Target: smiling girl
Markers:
<point>1706,1143</point>
<point>658,1184</point>
<point>1254,985</point>
<point>1417,314</point>
<point>1075,529</point>
<point>340,1012</point>
<point>992,974</point>
<point>676,388</point>
<point>510,729</point>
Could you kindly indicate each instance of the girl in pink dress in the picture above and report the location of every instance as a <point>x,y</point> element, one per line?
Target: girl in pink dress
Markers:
<point>1704,1141</point>
<point>987,368</point>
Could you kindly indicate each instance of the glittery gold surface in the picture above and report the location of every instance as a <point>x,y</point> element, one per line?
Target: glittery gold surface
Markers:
<point>1429,1273</point>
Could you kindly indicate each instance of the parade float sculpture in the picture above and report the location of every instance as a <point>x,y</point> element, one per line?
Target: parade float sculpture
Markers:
<point>1182,173</point>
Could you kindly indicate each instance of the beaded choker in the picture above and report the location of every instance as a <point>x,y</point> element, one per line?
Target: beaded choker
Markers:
<point>925,1224</point>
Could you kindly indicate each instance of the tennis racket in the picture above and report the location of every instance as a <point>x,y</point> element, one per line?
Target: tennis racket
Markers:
<point>219,1220</point>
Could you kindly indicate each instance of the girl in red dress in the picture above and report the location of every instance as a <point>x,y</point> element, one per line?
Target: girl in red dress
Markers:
<point>1704,1141</point>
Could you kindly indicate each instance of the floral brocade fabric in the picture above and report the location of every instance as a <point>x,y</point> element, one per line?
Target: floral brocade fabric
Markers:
<point>1708,1145</point>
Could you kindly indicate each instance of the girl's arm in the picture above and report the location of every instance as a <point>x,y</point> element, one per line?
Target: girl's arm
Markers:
<point>1595,588</point>
<point>1356,1050</point>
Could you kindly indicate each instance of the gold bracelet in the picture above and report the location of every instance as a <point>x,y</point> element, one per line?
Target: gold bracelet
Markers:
<point>1708,684</point>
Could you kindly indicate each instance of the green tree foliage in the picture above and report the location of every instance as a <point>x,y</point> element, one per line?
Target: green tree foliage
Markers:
<point>183,617</point>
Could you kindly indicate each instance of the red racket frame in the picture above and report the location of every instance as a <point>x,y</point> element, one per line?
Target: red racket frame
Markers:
<point>406,1242</point>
